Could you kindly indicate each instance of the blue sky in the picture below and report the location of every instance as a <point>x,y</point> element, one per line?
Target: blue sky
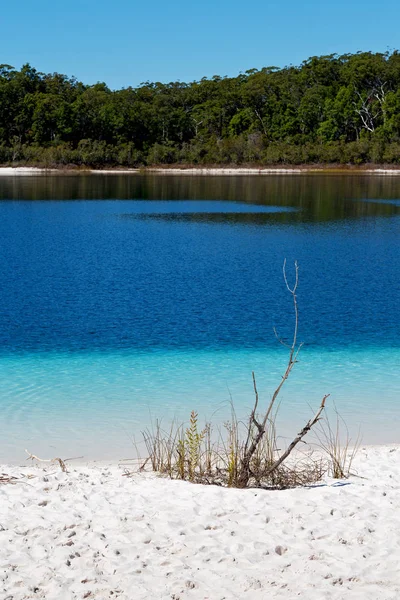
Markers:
<point>126,42</point>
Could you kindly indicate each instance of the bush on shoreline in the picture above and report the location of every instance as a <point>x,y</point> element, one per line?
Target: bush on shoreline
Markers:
<point>95,154</point>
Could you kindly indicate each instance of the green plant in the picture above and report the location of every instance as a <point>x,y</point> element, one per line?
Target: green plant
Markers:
<point>193,440</point>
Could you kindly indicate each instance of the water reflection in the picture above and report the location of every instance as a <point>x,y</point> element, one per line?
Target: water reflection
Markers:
<point>319,197</point>
<point>226,218</point>
<point>209,212</point>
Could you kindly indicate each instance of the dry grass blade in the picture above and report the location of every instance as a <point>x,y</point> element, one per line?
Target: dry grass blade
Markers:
<point>336,442</point>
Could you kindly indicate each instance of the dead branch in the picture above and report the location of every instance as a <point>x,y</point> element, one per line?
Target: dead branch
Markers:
<point>367,109</point>
<point>299,436</point>
<point>252,419</point>
<point>261,121</point>
<point>48,460</point>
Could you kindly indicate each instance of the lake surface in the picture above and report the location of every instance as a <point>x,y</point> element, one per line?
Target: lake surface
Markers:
<point>125,298</point>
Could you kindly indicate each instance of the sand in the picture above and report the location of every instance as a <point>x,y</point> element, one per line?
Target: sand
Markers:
<point>7,171</point>
<point>304,169</point>
<point>95,533</point>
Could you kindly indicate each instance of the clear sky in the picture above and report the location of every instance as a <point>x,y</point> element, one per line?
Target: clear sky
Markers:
<point>125,42</point>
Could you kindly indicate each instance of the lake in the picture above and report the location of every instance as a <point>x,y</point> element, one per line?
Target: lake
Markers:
<point>126,298</point>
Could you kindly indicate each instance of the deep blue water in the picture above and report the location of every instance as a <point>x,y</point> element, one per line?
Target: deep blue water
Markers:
<point>123,296</point>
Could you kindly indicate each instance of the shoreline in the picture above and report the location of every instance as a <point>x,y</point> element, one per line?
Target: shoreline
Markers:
<point>209,171</point>
<point>135,462</point>
<point>96,533</point>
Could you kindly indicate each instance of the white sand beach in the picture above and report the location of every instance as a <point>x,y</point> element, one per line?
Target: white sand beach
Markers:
<point>305,169</point>
<point>95,533</point>
<point>7,171</point>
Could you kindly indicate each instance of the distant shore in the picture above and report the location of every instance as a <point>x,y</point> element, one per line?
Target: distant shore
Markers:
<point>207,170</point>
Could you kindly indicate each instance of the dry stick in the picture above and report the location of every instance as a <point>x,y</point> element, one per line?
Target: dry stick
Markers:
<point>252,418</point>
<point>299,436</point>
<point>49,460</point>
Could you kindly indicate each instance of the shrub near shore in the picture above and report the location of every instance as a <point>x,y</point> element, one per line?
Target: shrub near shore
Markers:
<point>92,153</point>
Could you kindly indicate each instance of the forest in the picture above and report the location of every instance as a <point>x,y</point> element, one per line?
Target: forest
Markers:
<point>329,110</point>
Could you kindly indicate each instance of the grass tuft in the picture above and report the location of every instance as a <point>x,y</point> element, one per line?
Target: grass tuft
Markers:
<point>199,455</point>
<point>336,442</point>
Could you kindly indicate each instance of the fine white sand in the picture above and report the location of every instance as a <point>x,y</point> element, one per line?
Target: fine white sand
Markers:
<point>93,533</point>
<point>306,169</point>
<point>25,171</point>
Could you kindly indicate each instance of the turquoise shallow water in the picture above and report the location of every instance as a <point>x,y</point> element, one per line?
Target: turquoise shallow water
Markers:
<point>94,404</point>
<point>127,298</point>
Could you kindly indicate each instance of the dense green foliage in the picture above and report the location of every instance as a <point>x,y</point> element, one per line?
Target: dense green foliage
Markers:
<point>330,109</point>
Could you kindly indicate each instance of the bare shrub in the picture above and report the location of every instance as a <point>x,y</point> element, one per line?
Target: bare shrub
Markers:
<point>241,454</point>
<point>194,454</point>
<point>257,427</point>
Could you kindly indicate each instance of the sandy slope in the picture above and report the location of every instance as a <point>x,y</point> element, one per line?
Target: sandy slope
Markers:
<point>94,533</point>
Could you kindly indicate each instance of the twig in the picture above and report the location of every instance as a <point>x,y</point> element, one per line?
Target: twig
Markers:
<point>299,437</point>
<point>48,460</point>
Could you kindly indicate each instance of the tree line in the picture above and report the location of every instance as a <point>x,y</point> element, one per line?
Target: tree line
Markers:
<point>330,109</point>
